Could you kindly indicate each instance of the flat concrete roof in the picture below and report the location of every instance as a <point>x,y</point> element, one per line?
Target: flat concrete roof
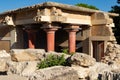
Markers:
<point>59,5</point>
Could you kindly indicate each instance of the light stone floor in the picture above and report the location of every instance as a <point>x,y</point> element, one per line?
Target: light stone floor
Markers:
<point>12,77</point>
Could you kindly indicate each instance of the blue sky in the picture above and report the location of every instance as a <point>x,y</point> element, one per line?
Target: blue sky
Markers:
<point>104,5</point>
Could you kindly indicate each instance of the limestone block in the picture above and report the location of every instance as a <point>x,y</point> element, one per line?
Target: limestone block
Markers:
<point>82,59</point>
<point>3,65</point>
<point>4,54</point>
<point>81,71</point>
<point>16,67</point>
<point>25,68</point>
<point>23,56</point>
<point>39,53</point>
<point>30,68</point>
<point>12,77</point>
<point>4,58</point>
<point>115,67</point>
<point>55,73</point>
<point>100,68</point>
<point>26,54</point>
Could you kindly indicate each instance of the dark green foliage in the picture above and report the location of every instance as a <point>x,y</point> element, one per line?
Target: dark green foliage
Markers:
<point>87,6</point>
<point>65,50</point>
<point>116,29</point>
<point>118,1</point>
<point>52,60</point>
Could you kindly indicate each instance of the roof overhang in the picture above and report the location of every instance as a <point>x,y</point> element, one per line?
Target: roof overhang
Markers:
<point>59,5</point>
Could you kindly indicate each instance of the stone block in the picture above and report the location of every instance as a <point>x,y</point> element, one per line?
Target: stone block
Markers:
<point>55,73</point>
<point>26,54</point>
<point>30,68</point>
<point>4,58</point>
<point>82,59</point>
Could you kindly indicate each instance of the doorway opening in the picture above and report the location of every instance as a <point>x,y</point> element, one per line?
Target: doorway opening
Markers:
<point>98,50</point>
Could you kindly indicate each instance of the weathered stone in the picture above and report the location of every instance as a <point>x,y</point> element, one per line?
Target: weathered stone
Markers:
<point>38,53</point>
<point>82,59</point>
<point>27,54</point>
<point>55,73</point>
<point>110,76</point>
<point>23,56</point>
<point>112,54</point>
<point>93,75</point>
<point>30,68</point>
<point>4,58</point>
<point>92,72</point>
<point>81,71</point>
<point>16,67</point>
<point>3,65</point>
<point>12,77</point>
<point>22,68</point>
<point>98,68</point>
<point>4,54</point>
<point>115,67</point>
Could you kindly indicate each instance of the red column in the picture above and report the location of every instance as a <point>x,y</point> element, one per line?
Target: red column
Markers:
<point>50,39</point>
<point>72,40</point>
<point>31,38</point>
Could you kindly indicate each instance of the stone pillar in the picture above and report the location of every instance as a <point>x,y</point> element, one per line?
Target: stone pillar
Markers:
<point>50,38</point>
<point>72,38</point>
<point>31,38</point>
<point>72,41</point>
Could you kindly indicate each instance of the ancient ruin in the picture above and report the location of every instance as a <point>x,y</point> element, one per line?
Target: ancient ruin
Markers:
<point>28,35</point>
<point>54,26</point>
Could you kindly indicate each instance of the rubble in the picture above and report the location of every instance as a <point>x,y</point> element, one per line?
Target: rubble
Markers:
<point>82,66</point>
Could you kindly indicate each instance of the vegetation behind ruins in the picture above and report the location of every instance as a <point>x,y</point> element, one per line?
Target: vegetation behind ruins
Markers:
<point>116,29</point>
<point>86,6</point>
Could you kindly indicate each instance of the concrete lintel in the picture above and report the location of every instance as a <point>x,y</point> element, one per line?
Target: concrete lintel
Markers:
<point>78,21</point>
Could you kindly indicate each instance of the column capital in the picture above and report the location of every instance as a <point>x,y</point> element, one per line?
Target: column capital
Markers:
<point>50,29</point>
<point>72,28</point>
<point>50,26</point>
<point>30,30</point>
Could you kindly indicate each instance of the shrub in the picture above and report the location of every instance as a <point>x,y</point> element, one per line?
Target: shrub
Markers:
<point>87,6</point>
<point>52,60</point>
<point>65,50</point>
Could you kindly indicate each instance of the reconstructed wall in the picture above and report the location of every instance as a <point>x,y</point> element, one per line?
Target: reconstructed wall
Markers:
<point>90,26</point>
<point>5,37</point>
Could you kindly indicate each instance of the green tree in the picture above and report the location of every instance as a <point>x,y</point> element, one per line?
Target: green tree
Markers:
<point>116,29</point>
<point>87,6</point>
<point>118,1</point>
